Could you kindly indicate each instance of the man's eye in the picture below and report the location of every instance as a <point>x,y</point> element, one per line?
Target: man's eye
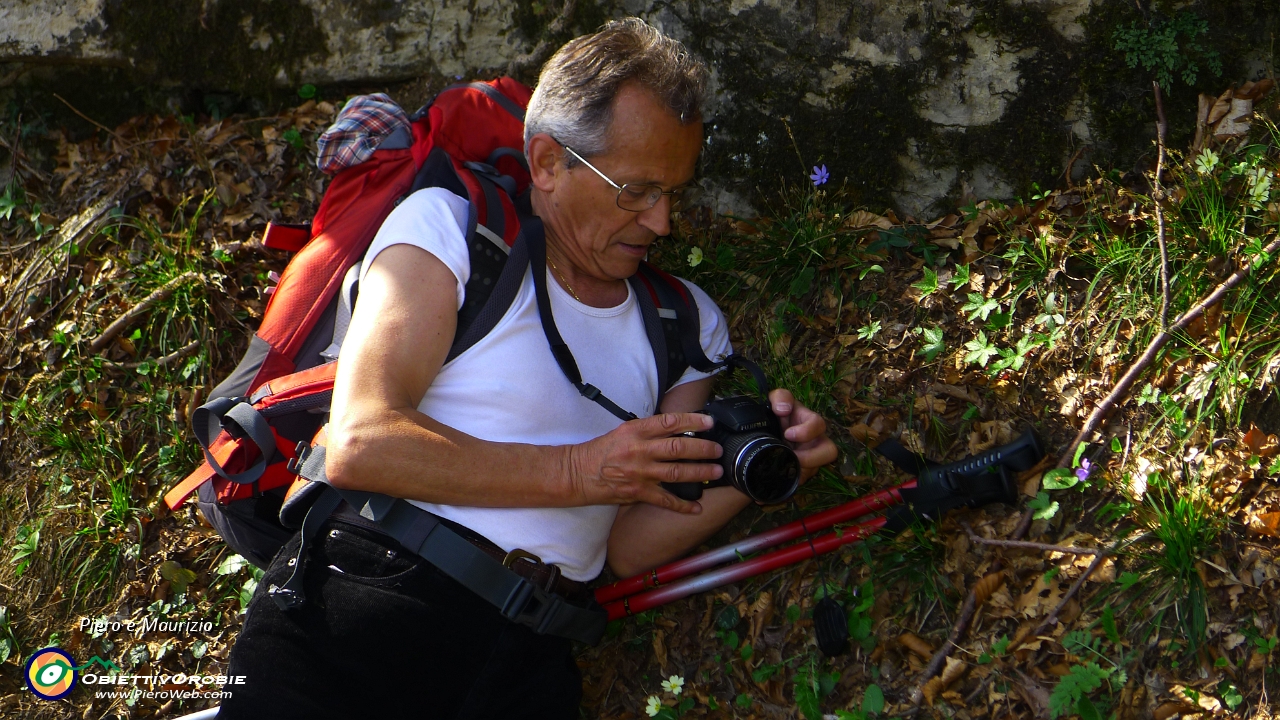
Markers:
<point>632,192</point>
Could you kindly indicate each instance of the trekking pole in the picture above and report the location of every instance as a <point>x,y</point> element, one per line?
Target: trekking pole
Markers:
<point>970,482</point>
<point>750,568</point>
<point>819,521</point>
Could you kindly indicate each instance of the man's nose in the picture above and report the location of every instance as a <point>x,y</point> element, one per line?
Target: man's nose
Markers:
<point>657,219</point>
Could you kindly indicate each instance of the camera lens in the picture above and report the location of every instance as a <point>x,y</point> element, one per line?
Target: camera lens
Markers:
<point>764,468</point>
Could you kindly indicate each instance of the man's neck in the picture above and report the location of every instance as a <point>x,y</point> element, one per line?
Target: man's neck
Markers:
<point>581,285</point>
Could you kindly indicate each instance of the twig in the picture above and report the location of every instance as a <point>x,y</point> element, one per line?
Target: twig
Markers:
<point>1066,174</point>
<point>1052,618</point>
<point>132,314</point>
<point>88,119</point>
<point>1119,392</point>
<point>1123,385</point>
<point>967,611</point>
<point>1028,545</point>
<point>1157,194</point>
<point>174,356</point>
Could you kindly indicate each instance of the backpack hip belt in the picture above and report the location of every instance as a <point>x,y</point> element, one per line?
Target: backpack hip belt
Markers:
<point>521,562</point>
<point>516,598</point>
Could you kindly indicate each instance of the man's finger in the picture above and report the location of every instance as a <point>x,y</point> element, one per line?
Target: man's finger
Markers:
<point>806,426</point>
<point>663,499</point>
<point>667,424</point>
<point>782,402</point>
<point>680,447</point>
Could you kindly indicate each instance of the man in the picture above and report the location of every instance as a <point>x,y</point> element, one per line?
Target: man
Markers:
<point>497,442</point>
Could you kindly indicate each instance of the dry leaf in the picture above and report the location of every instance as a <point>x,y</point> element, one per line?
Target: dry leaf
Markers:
<point>931,689</point>
<point>915,644</point>
<point>1265,524</point>
<point>660,649</point>
<point>862,218</point>
<point>1169,709</point>
<point>953,670</point>
<point>930,404</point>
<point>988,585</point>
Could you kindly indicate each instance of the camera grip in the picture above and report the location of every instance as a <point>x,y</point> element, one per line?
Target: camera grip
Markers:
<point>685,490</point>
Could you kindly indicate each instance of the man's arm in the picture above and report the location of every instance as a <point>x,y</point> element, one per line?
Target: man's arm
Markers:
<point>378,441</point>
<point>646,536</point>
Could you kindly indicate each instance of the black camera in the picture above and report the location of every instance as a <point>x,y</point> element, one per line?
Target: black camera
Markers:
<point>756,460</point>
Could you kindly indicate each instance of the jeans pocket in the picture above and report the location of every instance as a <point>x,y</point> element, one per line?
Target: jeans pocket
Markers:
<point>364,557</point>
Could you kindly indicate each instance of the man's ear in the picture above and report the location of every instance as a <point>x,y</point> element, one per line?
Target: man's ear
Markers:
<point>544,155</point>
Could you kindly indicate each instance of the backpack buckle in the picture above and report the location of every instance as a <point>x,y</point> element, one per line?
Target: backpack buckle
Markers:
<point>301,451</point>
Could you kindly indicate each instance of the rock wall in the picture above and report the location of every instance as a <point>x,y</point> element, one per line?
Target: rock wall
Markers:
<point>912,103</point>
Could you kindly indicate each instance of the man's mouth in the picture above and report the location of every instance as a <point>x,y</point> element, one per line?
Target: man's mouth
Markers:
<point>635,249</point>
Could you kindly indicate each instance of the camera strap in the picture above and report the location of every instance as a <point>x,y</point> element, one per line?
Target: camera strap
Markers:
<point>536,239</point>
<point>690,332</point>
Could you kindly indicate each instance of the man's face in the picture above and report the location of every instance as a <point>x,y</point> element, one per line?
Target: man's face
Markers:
<point>647,144</point>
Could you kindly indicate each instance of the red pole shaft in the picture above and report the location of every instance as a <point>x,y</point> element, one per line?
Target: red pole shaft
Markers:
<point>750,568</point>
<point>755,543</point>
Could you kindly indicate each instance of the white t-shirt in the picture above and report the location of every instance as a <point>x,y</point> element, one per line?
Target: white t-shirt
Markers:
<point>508,387</point>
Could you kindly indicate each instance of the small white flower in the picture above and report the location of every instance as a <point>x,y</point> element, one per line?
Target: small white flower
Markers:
<point>673,685</point>
<point>1206,162</point>
<point>695,257</point>
<point>654,706</point>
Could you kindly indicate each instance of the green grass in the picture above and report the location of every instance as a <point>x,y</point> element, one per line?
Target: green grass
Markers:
<point>111,435</point>
<point>1159,590</point>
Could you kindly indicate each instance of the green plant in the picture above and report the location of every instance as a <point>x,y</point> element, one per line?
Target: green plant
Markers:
<point>810,685</point>
<point>980,307</point>
<point>1071,694</point>
<point>1043,507</point>
<point>8,641</point>
<point>872,705</point>
<point>928,284</point>
<point>1168,48</point>
<point>24,549</point>
<point>930,342</point>
<point>1180,527</point>
<point>980,350</point>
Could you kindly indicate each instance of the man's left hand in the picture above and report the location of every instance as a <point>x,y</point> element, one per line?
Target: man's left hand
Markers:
<point>805,430</point>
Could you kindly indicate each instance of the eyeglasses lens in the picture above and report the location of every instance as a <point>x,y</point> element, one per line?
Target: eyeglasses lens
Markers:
<point>639,198</point>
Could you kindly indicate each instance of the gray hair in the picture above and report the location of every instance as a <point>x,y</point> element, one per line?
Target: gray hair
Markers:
<point>574,99</point>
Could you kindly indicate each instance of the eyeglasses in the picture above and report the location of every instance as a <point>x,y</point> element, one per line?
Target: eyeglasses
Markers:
<point>638,197</point>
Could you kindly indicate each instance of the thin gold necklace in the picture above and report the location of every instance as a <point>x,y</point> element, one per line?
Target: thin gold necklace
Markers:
<point>564,282</point>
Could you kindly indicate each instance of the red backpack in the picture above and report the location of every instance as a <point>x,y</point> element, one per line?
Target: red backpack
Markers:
<point>469,140</point>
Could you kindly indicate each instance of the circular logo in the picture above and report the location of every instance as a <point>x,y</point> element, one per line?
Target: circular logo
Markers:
<point>51,673</point>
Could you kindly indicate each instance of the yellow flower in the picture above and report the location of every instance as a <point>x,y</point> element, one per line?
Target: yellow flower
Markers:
<point>654,705</point>
<point>695,257</point>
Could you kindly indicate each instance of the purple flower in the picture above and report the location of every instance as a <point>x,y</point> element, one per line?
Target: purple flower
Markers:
<point>820,175</point>
<point>1082,472</point>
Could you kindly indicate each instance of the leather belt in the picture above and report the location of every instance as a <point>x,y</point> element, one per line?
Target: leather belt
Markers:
<point>521,562</point>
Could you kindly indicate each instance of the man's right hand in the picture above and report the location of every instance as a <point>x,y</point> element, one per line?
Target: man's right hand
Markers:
<point>627,464</point>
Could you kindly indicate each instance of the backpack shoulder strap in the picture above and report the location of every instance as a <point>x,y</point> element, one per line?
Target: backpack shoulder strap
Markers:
<point>672,322</point>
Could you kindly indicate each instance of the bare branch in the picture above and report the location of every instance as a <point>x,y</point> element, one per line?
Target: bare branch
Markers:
<point>1028,545</point>
<point>1052,618</point>
<point>132,313</point>
<point>1125,383</point>
<point>1157,195</point>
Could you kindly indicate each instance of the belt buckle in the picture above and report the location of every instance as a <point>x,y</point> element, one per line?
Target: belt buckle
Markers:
<point>518,554</point>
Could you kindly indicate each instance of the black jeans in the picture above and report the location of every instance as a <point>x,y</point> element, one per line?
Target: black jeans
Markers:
<point>383,634</point>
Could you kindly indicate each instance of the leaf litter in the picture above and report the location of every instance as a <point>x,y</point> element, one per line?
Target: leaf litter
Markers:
<point>951,335</point>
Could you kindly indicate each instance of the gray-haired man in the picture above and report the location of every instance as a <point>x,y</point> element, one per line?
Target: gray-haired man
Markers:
<point>497,442</point>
